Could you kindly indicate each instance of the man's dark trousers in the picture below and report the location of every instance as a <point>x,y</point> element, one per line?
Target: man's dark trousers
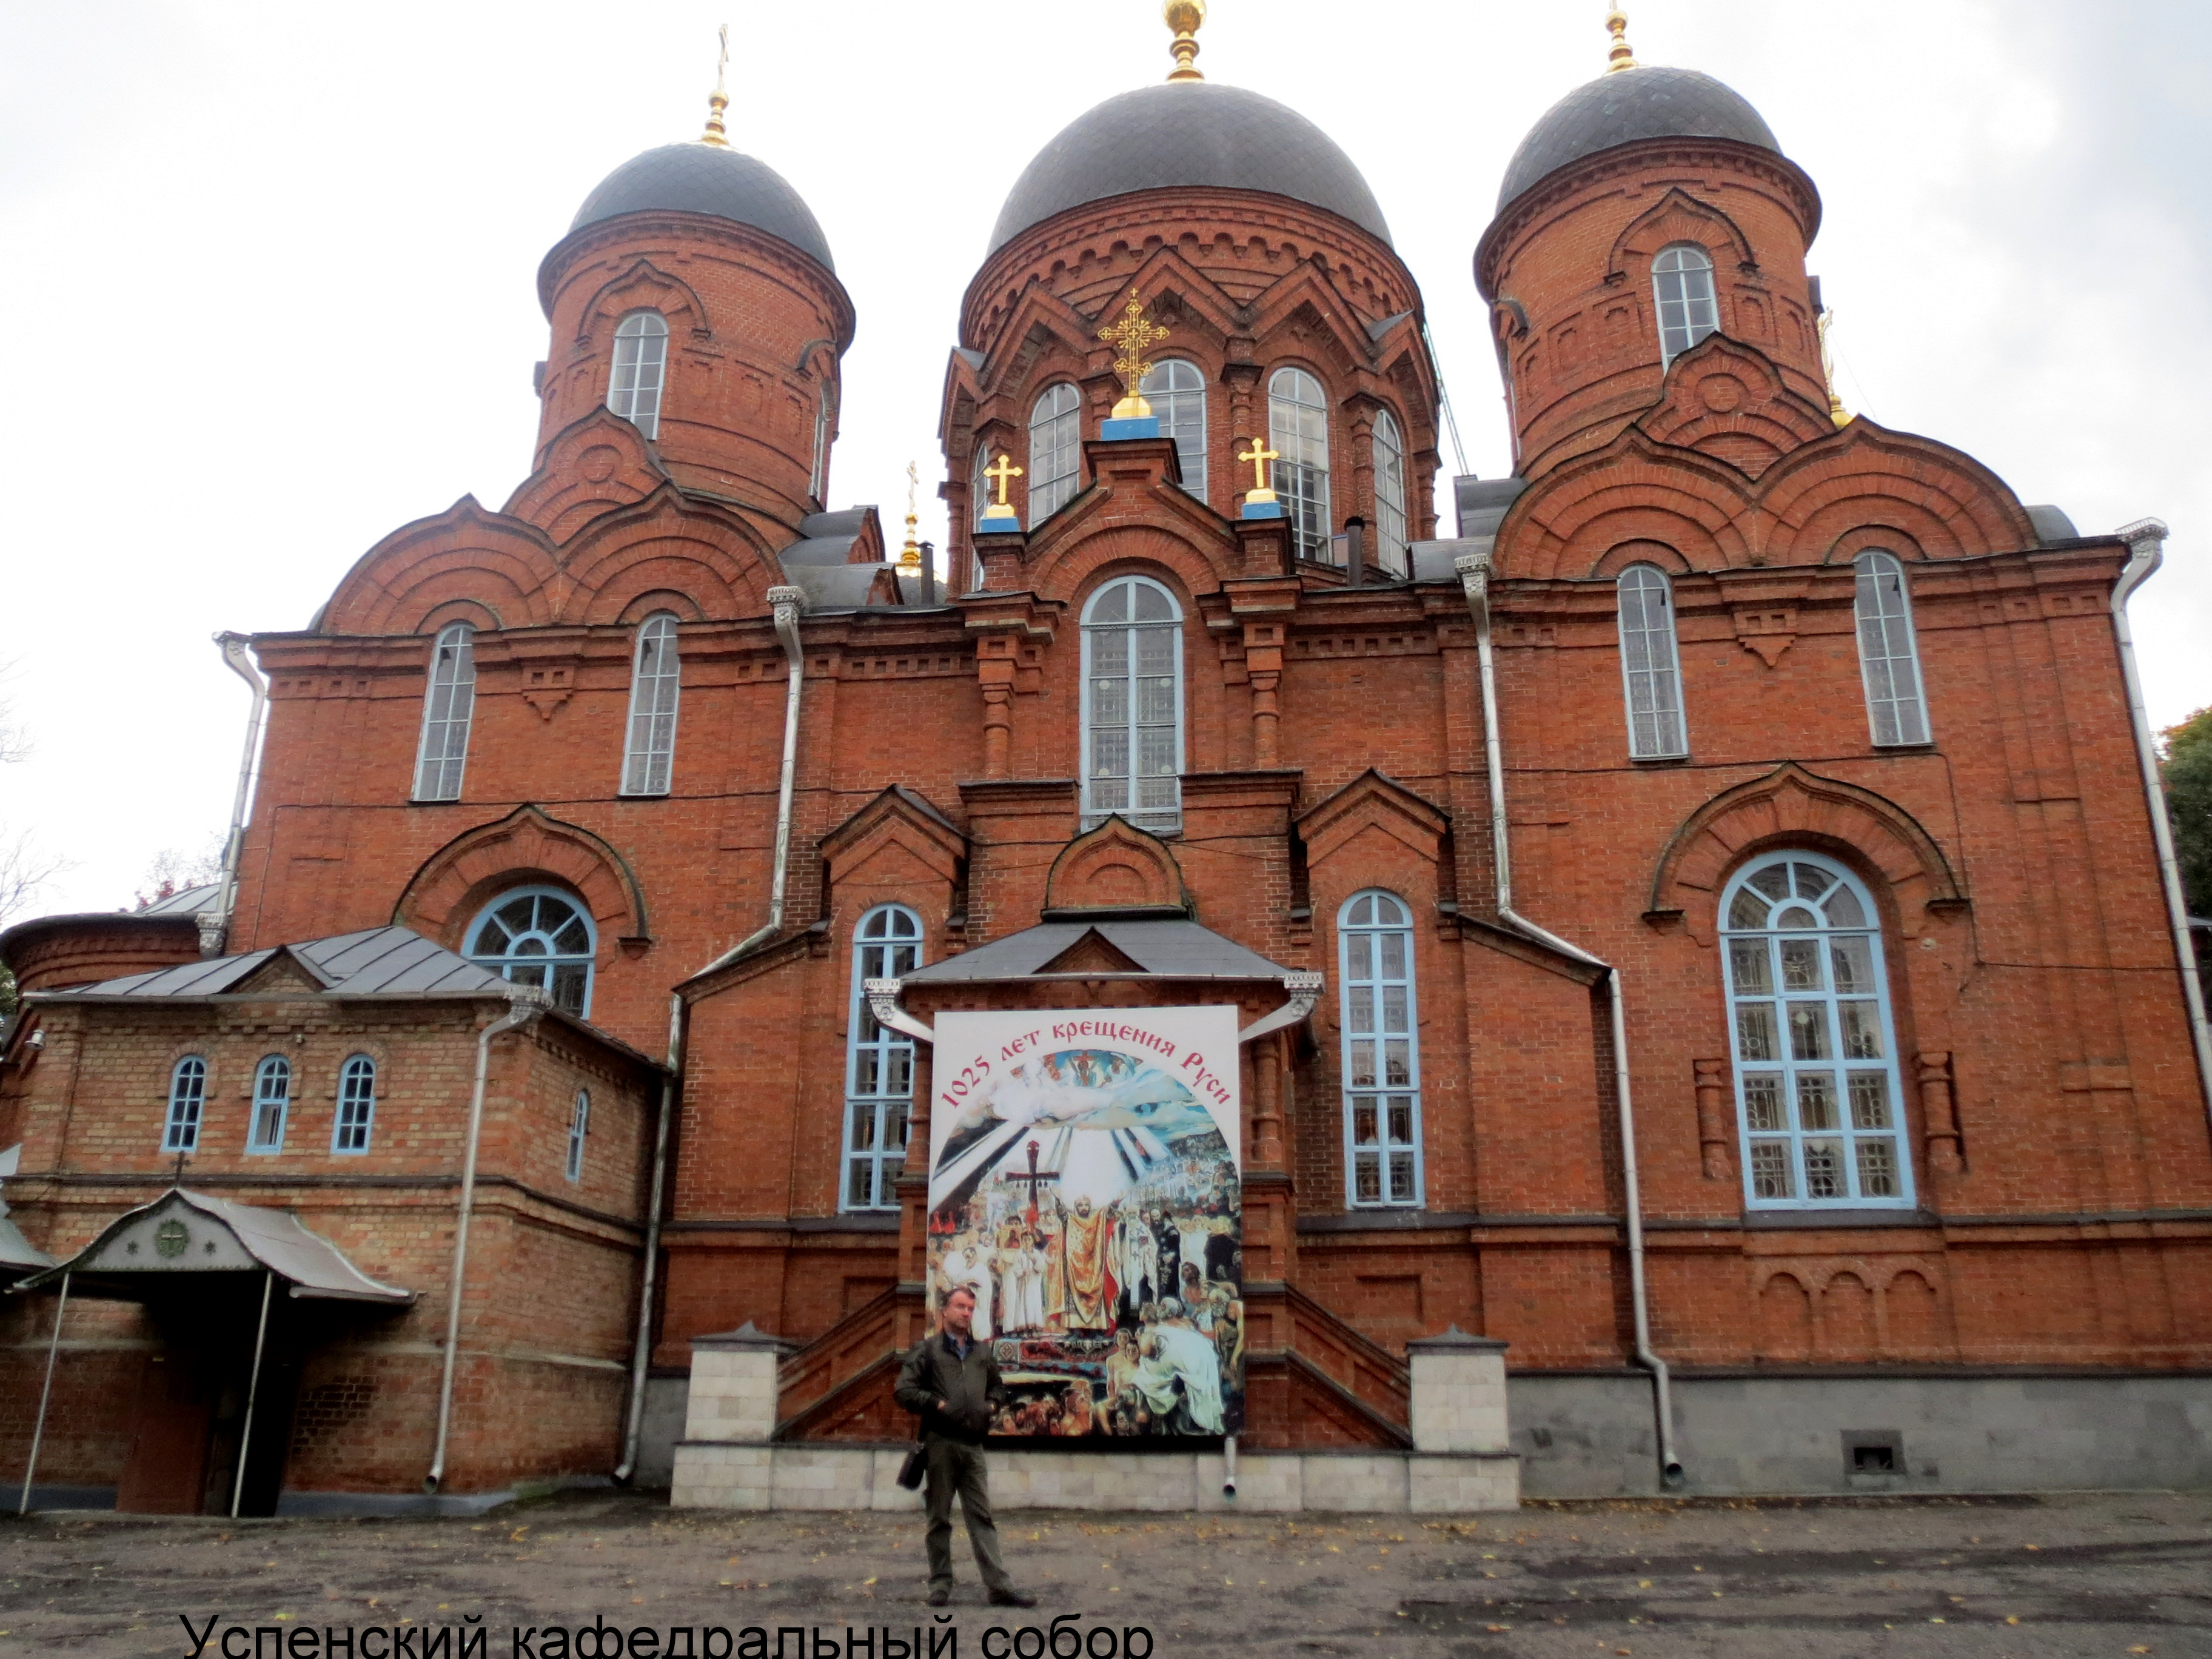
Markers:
<point>953,1468</point>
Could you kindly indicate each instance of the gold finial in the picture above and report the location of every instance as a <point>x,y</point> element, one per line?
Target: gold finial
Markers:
<point>909,558</point>
<point>719,100</point>
<point>1184,16</point>
<point>1837,412</point>
<point>1258,456</point>
<point>1619,57</point>
<point>1134,335</point>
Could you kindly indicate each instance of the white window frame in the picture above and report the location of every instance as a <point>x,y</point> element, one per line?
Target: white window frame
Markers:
<point>655,685</point>
<point>1392,546</point>
<point>353,1124</point>
<point>1775,1090</point>
<point>1098,785</point>
<point>1364,1019</point>
<point>1889,652</point>
<point>1685,297</point>
<point>1175,388</point>
<point>180,1125</point>
<point>1055,450</point>
<point>1298,431</point>
<point>579,1126</point>
<point>449,702</point>
<point>887,944</point>
<point>1650,664</point>
<point>545,963</point>
<point>639,378</point>
<point>272,1105</point>
<point>818,475</point>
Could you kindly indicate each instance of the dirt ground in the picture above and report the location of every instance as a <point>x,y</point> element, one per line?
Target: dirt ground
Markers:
<point>2099,1574</point>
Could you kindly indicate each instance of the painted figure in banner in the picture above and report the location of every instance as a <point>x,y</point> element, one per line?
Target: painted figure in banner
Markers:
<point>1089,1291</point>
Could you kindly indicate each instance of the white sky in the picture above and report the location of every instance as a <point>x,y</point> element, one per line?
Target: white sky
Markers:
<point>272,269</point>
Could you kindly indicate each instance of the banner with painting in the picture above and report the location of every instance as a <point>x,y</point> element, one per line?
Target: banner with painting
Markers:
<point>1086,1182</point>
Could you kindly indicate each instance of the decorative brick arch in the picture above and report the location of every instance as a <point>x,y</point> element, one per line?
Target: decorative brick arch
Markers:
<point>1801,808</point>
<point>645,285</point>
<point>1374,800</point>
<point>525,845</point>
<point>1678,218</point>
<point>1116,866</point>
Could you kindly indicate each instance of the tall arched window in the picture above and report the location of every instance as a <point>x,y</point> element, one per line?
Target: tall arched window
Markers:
<point>1816,1079</point>
<point>1390,552</point>
<point>1298,431</point>
<point>180,1130</point>
<point>640,369</point>
<point>579,1126</point>
<point>1055,450</point>
<point>448,706</point>
<point>1682,286</point>
<point>539,936</point>
<point>1176,391</point>
<point>1133,705</point>
<point>1889,656</point>
<point>1650,670</point>
<point>649,756</point>
<point>878,1062</point>
<point>1381,1054</point>
<point>979,484</point>
<point>272,1105</point>
<point>818,475</point>
<point>356,1105</point>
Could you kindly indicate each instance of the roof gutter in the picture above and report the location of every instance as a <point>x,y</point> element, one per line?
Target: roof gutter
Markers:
<point>214,925</point>
<point>2146,540</point>
<point>1475,569</point>
<point>787,603</point>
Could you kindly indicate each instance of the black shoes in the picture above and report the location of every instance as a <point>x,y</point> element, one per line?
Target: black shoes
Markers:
<point>1013,1598</point>
<point>939,1594</point>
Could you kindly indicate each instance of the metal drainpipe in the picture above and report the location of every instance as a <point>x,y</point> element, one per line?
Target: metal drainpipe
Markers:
<point>215,928</point>
<point>788,603</point>
<point>2146,540</point>
<point>527,1007</point>
<point>1474,577</point>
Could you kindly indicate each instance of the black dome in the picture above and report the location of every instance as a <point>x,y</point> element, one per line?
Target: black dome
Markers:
<point>1619,108</point>
<point>1189,133</point>
<point>726,184</point>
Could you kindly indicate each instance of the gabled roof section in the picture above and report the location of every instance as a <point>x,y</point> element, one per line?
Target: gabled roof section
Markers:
<point>1161,948</point>
<point>378,962</point>
<point>851,535</point>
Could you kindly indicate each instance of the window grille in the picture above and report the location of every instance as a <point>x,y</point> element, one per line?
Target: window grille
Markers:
<point>542,937</point>
<point>878,1062</point>
<point>187,1101</point>
<point>1682,285</point>
<point>579,1125</point>
<point>447,707</point>
<point>641,369</point>
<point>356,1105</point>
<point>1133,705</point>
<point>1650,667</point>
<point>1055,450</point>
<point>1816,1078</point>
<point>1298,431</point>
<point>272,1103</point>
<point>1176,391</point>
<point>655,672</point>
<point>1889,653</point>
<point>1382,1052</point>
<point>1391,554</point>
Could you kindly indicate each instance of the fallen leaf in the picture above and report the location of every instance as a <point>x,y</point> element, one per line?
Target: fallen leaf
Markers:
<point>2012,1619</point>
<point>1644,1583</point>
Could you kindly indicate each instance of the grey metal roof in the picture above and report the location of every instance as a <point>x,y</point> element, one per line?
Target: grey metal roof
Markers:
<point>187,902</point>
<point>1189,133</point>
<point>1170,948</point>
<point>1481,502</point>
<point>2051,524</point>
<point>376,962</point>
<point>838,586</point>
<point>724,184</point>
<point>846,522</point>
<point>1433,561</point>
<point>1650,102</point>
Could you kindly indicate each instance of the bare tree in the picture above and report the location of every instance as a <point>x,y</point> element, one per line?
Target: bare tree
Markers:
<point>25,867</point>
<point>174,869</point>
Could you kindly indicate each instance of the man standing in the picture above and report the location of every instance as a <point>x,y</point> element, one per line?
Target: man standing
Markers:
<point>952,1383</point>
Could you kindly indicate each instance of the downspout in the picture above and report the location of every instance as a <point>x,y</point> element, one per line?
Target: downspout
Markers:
<point>787,602</point>
<point>215,926</point>
<point>526,1008</point>
<point>2146,540</point>
<point>1474,577</point>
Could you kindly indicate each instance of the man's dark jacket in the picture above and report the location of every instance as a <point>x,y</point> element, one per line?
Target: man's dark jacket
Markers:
<point>970,1387</point>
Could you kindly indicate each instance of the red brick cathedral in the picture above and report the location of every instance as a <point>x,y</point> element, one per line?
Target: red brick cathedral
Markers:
<point>1697,919</point>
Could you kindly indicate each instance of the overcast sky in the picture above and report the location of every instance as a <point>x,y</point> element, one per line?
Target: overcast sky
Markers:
<point>272,271</point>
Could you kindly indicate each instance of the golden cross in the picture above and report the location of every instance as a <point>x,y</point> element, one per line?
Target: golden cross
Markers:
<point>1135,335</point>
<point>1259,455</point>
<point>1005,472</point>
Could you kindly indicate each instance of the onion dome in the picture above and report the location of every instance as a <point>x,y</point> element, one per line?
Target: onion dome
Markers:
<point>711,178</point>
<point>1625,105</point>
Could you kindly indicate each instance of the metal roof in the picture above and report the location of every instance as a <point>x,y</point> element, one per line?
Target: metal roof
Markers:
<point>1648,102</point>
<point>1166,947</point>
<point>723,184</point>
<point>189,902</point>
<point>377,961</point>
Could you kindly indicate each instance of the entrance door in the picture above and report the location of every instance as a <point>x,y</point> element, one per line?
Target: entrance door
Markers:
<point>166,1473</point>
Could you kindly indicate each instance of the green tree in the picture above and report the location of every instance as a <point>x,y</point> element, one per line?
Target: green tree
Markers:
<point>2187,770</point>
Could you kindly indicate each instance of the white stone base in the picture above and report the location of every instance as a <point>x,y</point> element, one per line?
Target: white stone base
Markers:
<point>826,1475</point>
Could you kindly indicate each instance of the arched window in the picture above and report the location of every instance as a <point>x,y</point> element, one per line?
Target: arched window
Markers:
<point>356,1105</point>
<point>446,709</point>
<point>1816,1075</point>
<point>1390,552</point>
<point>187,1100</point>
<point>1382,1051</point>
<point>272,1103</point>
<point>878,1062</point>
<point>1682,286</point>
<point>1298,431</point>
<point>979,485</point>
<point>1889,657</point>
<point>1133,705</point>
<point>641,367</point>
<point>1176,391</point>
<point>818,475</point>
<point>539,936</point>
<point>579,1125</point>
<point>650,754</point>
<point>1650,669</point>
<point>1055,450</point>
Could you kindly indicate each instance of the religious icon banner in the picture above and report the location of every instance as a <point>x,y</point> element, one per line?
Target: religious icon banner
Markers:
<point>1085,1183</point>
